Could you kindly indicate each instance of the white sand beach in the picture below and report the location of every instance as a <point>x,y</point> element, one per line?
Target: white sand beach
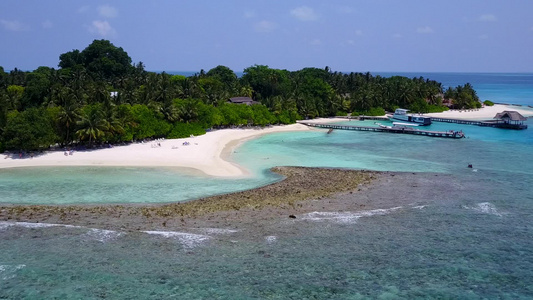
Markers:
<point>485,113</point>
<point>204,153</point>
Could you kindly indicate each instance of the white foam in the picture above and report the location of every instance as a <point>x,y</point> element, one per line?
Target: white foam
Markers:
<point>420,206</point>
<point>189,240</point>
<point>486,208</point>
<point>346,217</point>
<point>8,271</point>
<point>217,230</point>
<point>103,235</point>
<point>5,224</point>
<point>271,239</point>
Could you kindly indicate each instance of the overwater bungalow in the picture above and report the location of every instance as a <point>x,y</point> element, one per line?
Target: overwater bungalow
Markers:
<point>510,119</point>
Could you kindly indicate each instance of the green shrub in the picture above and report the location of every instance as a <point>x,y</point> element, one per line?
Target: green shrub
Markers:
<point>184,130</point>
<point>341,113</point>
<point>374,111</point>
<point>488,103</point>
<point>436,108</point>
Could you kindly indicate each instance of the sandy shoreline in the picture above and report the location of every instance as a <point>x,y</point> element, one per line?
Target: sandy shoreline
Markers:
<point>485,113</point>
<point>209,153</point>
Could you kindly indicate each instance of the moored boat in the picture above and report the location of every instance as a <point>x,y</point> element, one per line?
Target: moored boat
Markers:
<point>402,115</point>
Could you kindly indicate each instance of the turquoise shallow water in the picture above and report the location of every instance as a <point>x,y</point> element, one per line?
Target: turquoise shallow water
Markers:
<point>470,240</point>
<point>92,185</point>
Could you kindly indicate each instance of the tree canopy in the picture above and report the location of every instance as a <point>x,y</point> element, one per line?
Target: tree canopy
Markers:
<point>101,59</point>
<point>99,96</point>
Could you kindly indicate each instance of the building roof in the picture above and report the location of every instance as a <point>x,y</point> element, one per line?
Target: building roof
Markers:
<point>243,100</point>
<point>510,114</point>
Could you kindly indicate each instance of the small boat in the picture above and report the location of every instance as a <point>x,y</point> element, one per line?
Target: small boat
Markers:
<point>382,126</point>
<point>402,115</point>
<point>404,124</point>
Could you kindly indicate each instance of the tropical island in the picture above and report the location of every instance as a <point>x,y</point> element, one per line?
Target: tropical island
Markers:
<point>98,97</point>
<point>435,233</point>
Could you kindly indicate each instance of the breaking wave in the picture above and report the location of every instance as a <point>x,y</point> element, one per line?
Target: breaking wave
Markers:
<point>189,240</point>
<point>485,208</point>
<point>9,271</point>
<point>346,217</point>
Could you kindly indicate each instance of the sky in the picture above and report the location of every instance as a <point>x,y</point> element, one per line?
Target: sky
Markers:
<point>346,35</point>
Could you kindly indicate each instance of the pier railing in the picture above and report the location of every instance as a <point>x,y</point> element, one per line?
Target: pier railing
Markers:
<point>483,123</point>
<point>390,129</point>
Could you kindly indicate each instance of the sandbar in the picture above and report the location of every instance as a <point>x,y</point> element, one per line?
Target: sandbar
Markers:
<point>204,153</point>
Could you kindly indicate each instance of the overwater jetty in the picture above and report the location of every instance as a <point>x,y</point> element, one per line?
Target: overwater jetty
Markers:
<point>390,129</point>
<point>363,118</point>
<point>505,119</point>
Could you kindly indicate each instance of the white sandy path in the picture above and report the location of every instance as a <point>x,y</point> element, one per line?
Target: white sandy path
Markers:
<point>205,153</point>
<point>485,113</point>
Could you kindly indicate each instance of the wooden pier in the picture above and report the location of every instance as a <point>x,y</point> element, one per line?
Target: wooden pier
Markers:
<point>362,118</point>
<point>404,130</point>
<point>485,123</point>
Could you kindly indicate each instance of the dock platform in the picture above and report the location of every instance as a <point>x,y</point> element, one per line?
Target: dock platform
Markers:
<point>485,123</point>
<point>404,130</point>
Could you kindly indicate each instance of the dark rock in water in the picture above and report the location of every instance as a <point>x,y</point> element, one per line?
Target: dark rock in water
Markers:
<point>292,216</point>
<point>470,166</point>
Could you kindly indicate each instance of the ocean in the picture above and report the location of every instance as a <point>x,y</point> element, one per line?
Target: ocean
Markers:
<point>471,238</point>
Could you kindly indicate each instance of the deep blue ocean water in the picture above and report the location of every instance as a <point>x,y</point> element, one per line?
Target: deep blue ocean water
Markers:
<point>473,241</point>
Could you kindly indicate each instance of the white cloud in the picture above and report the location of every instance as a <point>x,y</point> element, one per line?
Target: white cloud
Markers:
<point>83,9</point>
<point>359,32</point>
<point>107,11</point>
<point>397,36</point>
<point>483,37</point>
<point>249,14</point>
<point>316,42</point>
<point>265,26</point>
<point>304,13</point>
<point>14,25</point>
<point>424,30</point>
<point>350,42</point>
<point>47,24</point>
<point>487,18</point>
<point>102,28</point>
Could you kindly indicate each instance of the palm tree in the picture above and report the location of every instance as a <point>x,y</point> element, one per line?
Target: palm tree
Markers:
<point>188,111</point>
<point>92,124</point>
<point>68,116</point>
<point>247,91</point>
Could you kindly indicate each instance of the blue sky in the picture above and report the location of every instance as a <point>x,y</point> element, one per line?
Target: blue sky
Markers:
<point>378,35</point>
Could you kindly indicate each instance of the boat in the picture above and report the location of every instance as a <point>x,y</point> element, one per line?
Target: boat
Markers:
<point>382,126</point>
<point>402,115</point>
<point>404,124</point>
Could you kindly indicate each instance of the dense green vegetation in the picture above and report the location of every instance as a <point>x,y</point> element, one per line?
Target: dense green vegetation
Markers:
<point>98,96</point>
<point>488,103</point>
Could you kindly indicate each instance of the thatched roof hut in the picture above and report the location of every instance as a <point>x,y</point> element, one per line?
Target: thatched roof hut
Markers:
<point>512,118</point>
<point>510,115</point>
